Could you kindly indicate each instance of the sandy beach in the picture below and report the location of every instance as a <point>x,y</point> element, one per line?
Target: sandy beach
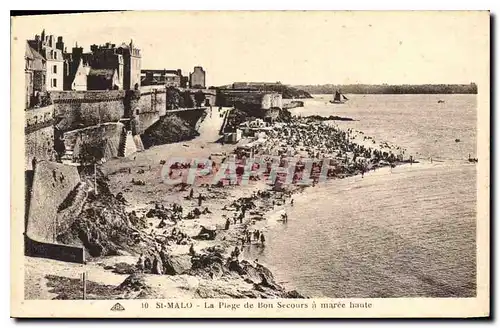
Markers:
<point>175,218</point>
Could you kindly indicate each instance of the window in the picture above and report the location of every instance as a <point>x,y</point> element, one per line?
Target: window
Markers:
<point>54,83</point>
<point>55,69</point>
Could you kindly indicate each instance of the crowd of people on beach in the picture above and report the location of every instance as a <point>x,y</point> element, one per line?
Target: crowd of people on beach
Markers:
<point>317,140</point>
<point>299,138</point>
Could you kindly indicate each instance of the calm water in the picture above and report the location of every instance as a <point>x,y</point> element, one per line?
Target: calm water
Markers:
<point>401,234</point>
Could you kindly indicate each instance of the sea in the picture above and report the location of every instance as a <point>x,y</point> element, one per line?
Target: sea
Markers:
<point>405,232</point>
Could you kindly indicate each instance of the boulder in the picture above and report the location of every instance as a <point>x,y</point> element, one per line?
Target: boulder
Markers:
<point>293,294</point>
<point>123,268</point>
<point>206,233</point>
<point>175,265</point>
<point>134,282</point>
<point>157,265</point>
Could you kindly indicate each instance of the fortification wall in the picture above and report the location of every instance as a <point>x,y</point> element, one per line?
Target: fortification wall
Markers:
<point>151,105</point>
<point>39,135</point>
<point>211,98</point>
<point>52,182</point>
<point>241,100</point>
<point>77,109</point>
<point>248,99</point>
<point>272,100</point>
<point>54,251</point>
<point>39,144</point>
<point>161,103</point>
<point>38,117</point>
<point>145,120</point>
<point>100,140</point>
<point>153,101</point>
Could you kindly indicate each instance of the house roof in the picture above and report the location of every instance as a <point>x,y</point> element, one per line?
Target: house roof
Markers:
<point>74,67</point>
<point>28,53</point>
<point>32,53</point>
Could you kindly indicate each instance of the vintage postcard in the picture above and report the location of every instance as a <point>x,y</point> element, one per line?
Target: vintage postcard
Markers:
<point>274,164</point>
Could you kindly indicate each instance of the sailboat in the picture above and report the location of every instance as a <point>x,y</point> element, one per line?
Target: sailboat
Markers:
<point>339,98</point>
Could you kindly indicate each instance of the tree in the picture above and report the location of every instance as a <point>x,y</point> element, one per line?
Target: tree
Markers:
<point>173,98</point>
<point>199,98</point>
<point>188,101</point>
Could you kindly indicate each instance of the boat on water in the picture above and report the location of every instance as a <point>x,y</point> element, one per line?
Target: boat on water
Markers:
<point>339,98</point>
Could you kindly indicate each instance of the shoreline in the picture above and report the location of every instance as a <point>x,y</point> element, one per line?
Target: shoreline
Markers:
<point>236,193</point>
<point>222,203</point>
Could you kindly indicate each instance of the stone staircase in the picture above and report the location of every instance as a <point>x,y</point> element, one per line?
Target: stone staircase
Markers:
<point>67,157</point>
<point>127,145</point>
<point>122,144</point>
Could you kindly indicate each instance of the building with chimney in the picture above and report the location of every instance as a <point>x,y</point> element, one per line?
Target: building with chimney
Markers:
<point>28,75</point>
<point>132,65</point>
<point>161,77</point>
<point>105,58</point>
<point>125,59</point>
<point>52,51</point>
<point>35,71</point>
<point>76,69</point>
<point>197,78</point>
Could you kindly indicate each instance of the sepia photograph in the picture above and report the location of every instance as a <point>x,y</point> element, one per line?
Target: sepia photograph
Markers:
<point>250,163</point>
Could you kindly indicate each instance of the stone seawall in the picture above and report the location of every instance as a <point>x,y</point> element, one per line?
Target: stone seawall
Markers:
<point>154,100</point>
<point>102,141</point>
<point>51,185</point>
<point>249,99</point>
<point>73,112</point>
<point>78,109</point>
<point>52,182</point>
<point>39,144</point>
<point>145,120</point>
<point>39,135</point>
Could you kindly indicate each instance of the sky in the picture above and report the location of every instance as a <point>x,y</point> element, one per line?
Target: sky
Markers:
<point>292,47</point>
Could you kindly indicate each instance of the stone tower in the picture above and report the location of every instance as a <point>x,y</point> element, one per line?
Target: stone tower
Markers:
<point>197,78</point>
<point>132,66</point>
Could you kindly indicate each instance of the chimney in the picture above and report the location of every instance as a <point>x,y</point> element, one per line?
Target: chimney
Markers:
<point>77,52</point>
<point>60,43</point>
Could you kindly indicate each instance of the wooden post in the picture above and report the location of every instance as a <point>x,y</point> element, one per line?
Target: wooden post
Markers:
<point>84,279</point>
<point>95,178</point>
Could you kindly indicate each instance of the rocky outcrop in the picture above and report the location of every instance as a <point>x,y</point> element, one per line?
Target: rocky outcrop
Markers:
<point>134,282</point>
<point>170,128</point>
<point>329,118</point>
<point>103,226</point>
<point>253,281</point>
<point>175,265</point>
<point>208,265</point>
